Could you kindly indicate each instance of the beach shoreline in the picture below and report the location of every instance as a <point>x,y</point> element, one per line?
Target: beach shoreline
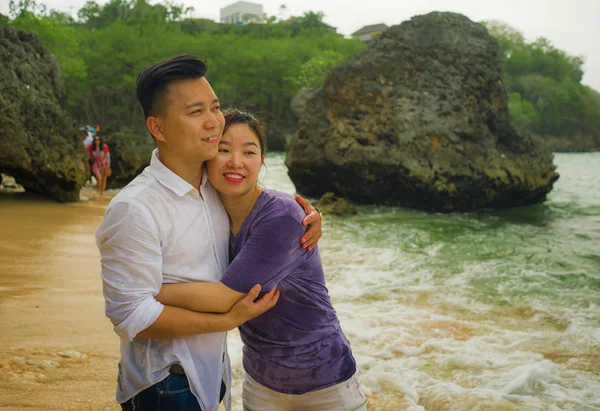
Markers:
<point>58,350</point>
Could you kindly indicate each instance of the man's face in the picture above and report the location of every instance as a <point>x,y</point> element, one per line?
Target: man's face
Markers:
<point>191,123</point>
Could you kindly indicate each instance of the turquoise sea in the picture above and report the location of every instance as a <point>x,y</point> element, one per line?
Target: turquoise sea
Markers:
<point>490,310</point>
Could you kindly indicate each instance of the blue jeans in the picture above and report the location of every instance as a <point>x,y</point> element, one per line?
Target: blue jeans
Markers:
<point>171,394</point>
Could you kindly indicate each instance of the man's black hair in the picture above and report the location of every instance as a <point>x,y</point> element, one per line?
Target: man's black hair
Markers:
<point>153,81</point>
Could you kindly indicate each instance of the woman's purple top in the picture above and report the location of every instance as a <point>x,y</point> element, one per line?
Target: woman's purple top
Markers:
<point>298,345</point>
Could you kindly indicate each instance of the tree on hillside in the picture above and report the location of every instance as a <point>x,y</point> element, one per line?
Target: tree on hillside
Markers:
<point>544,83</point>
<point>261,66</point>
<point>4,20</point>
<point>16,9</point>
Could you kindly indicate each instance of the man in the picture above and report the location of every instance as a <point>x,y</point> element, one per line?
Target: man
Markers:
<point>86,137</point>
<point>168,225</point>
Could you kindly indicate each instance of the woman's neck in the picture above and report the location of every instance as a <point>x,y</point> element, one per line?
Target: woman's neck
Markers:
<point>238,207</point>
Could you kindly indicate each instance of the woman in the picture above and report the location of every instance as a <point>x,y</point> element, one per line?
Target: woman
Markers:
<point>100,158</point>
<point>295,356</point>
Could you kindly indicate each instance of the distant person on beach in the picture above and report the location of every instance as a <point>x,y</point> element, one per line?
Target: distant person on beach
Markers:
<point>99,155</point>
<point>295,356</point>
<point>86,138</point>
<point>169,226</point>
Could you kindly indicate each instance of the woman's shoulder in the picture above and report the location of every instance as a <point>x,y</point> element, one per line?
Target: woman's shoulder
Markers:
<point>277,204</point>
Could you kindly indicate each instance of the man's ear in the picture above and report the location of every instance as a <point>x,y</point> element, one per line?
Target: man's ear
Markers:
<point>155,127</point>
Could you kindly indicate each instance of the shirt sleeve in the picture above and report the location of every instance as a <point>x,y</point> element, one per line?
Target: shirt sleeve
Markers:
<point>131,256</point>
<point>271,253</point>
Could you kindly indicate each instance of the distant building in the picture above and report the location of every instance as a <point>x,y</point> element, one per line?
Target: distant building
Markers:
<point>242,12</point>
<point>369,32</point>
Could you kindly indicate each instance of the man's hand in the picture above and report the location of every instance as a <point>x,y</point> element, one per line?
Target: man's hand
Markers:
<point>314,220</point>
<point>246,309</point>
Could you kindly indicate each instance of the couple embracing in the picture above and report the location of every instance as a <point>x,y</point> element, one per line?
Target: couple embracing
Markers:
<point>194,247</point>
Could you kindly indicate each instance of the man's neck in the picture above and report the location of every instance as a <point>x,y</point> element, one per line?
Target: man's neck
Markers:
<point>238,207</point>
<point>190,172</point>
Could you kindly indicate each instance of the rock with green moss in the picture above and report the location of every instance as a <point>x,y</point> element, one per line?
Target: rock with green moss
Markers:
<point>39,143</point>
<point>419,119</point>
<point>130,153</point>
<point>329,203</point>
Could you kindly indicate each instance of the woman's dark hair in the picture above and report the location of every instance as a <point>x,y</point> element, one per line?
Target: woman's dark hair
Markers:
<point>153,81</point>
<point>101,143</point>
<point>234,116</point>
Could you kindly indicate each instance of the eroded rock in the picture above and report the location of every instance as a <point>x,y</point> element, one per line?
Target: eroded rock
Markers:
<point>329,203</point>
<point>419,119</point>
<point>39,142</point>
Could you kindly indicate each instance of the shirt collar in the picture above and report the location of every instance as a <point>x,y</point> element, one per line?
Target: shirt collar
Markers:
<point>171,180</point>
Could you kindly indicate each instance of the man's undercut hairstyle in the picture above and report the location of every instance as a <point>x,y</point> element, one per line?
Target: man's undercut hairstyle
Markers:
<point>152,83</point>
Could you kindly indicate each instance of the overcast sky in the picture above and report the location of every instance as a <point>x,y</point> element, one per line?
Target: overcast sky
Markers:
<point>571,25</point>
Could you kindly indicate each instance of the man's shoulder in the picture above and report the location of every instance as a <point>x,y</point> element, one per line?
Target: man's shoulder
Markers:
<point>138,191</point>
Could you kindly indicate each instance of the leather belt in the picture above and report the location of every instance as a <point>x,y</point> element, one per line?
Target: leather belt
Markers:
<point>177,369</point>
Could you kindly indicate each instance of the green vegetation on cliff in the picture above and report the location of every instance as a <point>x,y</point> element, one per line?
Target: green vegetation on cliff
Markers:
<point>261,66</point>
<point>546,96</point>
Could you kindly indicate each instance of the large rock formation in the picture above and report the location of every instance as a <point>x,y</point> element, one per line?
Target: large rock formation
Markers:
<point>130,153</point>
<point>419,119</point>
<point>39,143</point>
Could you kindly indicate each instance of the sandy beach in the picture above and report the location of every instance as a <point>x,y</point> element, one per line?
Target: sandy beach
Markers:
<point>58,351</point>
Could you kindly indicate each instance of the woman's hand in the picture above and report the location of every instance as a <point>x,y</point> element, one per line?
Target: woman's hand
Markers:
<point>314,221</point>
<point>249,307</point>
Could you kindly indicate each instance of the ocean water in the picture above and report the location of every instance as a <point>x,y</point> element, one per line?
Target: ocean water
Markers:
<point>490,310</point>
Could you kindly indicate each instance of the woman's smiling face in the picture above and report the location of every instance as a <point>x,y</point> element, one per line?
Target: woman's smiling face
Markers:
<point>234,171</point>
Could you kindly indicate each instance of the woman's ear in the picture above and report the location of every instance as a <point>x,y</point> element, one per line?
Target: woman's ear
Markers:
<point>262,159</point>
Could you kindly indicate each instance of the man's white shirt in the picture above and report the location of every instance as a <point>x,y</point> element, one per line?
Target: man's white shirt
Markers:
<point>158,229</point>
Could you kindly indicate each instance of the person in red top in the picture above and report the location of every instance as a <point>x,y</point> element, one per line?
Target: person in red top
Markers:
<point>100,157</point>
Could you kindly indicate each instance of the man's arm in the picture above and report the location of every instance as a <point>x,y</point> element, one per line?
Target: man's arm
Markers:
<point>218,298</point>
<point>177,322</point>
<point>270,254</point>
<point>314,221</point>
<point>129,245</point>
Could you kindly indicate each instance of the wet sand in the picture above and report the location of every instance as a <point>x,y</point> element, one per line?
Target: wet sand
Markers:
<point>57,351</point>
<point>57,348</point>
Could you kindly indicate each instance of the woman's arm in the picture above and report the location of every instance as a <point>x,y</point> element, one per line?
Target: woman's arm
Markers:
<point>270,254</point>
<point>107,153</point>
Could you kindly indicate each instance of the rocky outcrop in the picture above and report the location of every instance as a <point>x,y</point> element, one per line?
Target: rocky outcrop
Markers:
<point>130,153</point>
<point>39,143</point>
<point>329,203</point>
<point>298,104</point>
<point>278,136</point>
<point>571,144</point>
<point>419,119</point>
